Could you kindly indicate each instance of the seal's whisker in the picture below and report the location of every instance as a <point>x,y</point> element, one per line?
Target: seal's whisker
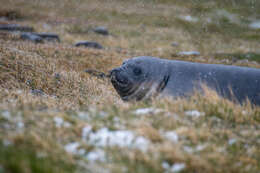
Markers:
<point>97,73</point>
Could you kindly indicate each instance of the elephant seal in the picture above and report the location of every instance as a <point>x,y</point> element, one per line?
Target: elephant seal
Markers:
<point>141,77</point>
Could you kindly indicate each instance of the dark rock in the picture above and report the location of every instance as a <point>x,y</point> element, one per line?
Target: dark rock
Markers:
<point>57,76</point>
<point>15,27</point>
<point>174,44</point>
<point>10,14</point>
<point>31,37</point>
<point>48,36</point>
<point>38,92</point>
<point>89,44</point>
<point>40,37</point>
<point>101,30</point>
<point>28,82</point>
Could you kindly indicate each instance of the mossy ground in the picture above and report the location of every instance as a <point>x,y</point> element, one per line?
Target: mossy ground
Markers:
<point>224,138</point>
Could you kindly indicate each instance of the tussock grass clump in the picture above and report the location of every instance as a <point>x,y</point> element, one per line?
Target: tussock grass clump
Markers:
<point>26,156</point>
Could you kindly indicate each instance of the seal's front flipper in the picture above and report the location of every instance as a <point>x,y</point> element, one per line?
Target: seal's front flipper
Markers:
<point>163,84</point>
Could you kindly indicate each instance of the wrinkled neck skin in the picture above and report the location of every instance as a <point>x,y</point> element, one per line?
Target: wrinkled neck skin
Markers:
<point>151,83</point>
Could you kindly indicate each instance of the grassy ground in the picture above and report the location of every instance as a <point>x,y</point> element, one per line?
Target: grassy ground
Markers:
<point>51,111</point>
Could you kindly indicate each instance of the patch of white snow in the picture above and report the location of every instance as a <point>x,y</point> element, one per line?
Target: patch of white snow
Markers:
<point>143,111</point>
<point>194,113</point>
<point>171,136</point>
<point>6,142</point>
<point>72,147</point>
<point>20,124</point>
<point>120,138</point>
<point>177,167</point>
<point>58,121</point>
<point>201,147</point>
<point>86,131</point>
<point>255,24</point>
<point>188,53</point>
<point>189,18</point>
<point>165,165</point>
<point>96,155</point>
<point>83,115</point>
<point>232,141</point>
<point>6,115</point>
<point>188,149</point>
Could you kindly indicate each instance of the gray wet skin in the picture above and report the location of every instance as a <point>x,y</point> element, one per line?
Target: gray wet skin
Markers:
<point>142,77</point>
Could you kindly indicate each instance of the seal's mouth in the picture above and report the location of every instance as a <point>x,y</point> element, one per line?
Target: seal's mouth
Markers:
<point>118,78</point>
<point>121,79</point>
<point>121,82</point>
<point>118,83</point>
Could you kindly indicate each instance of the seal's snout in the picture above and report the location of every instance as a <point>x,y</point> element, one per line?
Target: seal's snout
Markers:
<point>113,71</point>
<point>121,78</point>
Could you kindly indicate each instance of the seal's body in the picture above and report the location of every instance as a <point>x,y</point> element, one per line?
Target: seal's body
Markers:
<point>141,77</point>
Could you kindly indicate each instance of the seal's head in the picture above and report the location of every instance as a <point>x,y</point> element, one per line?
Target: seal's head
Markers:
<point>139,78</point>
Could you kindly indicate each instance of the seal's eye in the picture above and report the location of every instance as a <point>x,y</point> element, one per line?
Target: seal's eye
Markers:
<point>137,71</point>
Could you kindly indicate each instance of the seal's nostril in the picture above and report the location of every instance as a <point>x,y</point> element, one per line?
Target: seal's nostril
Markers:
<point>114,71</point>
